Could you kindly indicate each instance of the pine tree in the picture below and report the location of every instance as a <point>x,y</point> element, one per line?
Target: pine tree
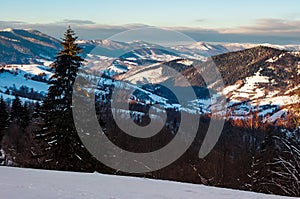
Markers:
<point>63,148</point>
<point>3,124</point>
<point>25,116</point>
<point>276,169</point>
<point>261,169</point>
<point>20,114</point>
<point>3,115</point>
<point>16,108</point>
<point>36,110</point>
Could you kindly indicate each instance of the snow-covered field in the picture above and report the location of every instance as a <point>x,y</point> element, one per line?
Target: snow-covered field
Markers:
<point>19,183</point>
<point>16,76</point>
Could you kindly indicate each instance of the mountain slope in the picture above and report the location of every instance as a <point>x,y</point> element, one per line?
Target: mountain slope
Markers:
<point>259,79</point>
<point>26,46</point>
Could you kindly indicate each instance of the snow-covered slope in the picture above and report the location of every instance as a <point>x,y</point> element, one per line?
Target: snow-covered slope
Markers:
<point>19,183</point>
<point>28,81</point>
<point>260,83</point>
<point>201,49</point>
<point>231,47</point>
<point>149,74</point>
<point>253,95</point>
<point>269,91</point>
<point>26,46</point>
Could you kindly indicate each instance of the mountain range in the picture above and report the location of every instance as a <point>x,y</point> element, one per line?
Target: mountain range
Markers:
<point>257,78</point>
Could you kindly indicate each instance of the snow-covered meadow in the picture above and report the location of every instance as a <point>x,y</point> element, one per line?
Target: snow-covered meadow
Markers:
<point>17,183</point>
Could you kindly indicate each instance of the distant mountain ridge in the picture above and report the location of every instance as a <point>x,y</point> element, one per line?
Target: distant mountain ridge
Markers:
<point>26,46</point>
<point>18,46</point>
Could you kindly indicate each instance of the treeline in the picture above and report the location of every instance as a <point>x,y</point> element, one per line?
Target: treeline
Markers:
<point>249,155</point>
<point>265,158</point>
<point>16,130</point>
<point>25,92</point>
<point>258,157</point>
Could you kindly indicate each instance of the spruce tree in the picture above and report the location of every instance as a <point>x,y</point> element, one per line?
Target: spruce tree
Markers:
<point>20,114</point>
<point>36,110</point>
<point>3,118</point>
<point>62,146</point>
<point>3,115</point>
<point>16,108</point>
<point>276,169</point>
<point>3,125</point>
<point>25,116</point>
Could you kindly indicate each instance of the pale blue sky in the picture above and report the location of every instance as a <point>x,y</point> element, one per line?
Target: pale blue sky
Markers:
<point>193,13</point>
<point>274,21</point>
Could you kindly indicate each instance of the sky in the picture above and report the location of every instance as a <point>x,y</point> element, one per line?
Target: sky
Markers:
<point>230,20</point>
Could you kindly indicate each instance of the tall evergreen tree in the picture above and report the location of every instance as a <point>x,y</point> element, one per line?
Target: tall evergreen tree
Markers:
<point>63,148</point>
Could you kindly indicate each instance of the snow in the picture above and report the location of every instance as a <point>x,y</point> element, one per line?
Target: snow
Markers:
<point>278,100</point>
<point>230,88</point>
<point>30,76</point>
<point>249,89</point>
<point>276,115</point>
<point>19,183</point>
<point>33,69</point>
<point>8,80</point>
<point>254,94</point>
<point>272,60</point>
<point>185,62</point>
<point>269,111</point>
<point>7,30</point>
<point>10,98</point>
<point>238,46</point>
<point>254,91</point>
<point>193,107</point>
<point>251,83</point>
<point>292,89</point>
<point>45,62</point>
<point>147,74</point>
<point>115,70</point>
<point>9,39</point>
<point>290,47</point>
<point>82,41</point>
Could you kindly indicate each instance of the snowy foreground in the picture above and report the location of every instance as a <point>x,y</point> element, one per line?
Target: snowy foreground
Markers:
<point>19,183</point>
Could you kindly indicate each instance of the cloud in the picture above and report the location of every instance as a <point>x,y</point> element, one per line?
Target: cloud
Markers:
<point>200,20</point>
<point>11,24</point>
<point>276,31</point>
<point>269,26</point>
<point>263,31</point>
<point>77,22</point>
<point>85,29</point>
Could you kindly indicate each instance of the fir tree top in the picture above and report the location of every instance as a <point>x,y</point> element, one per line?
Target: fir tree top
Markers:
<point>66,65</point>
<point>70,47</point>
